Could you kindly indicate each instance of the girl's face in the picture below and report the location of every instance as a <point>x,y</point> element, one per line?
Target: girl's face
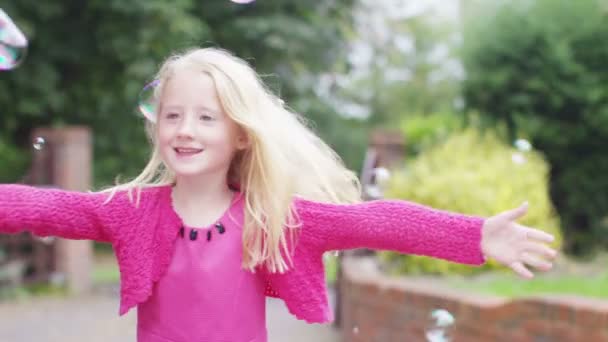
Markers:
<point>195,136</point>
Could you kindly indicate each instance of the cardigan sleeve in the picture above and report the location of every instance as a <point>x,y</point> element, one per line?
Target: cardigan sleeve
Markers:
<point>394,225</point>
<point>54,212</point>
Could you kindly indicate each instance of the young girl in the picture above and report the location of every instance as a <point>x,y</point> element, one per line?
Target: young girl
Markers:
<point>239,201</point>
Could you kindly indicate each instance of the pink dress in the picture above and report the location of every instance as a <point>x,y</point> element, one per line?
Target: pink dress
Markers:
<point>205,295</point>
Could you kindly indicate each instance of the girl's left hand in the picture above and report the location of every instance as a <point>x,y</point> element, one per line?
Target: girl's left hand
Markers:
<point>514,245</point>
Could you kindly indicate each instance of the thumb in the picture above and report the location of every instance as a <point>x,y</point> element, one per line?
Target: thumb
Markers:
<point>516,213</point>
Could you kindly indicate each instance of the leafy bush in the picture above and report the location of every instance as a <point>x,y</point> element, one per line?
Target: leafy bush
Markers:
<point>473,174</point>
<point>540,67</point>
<point>424,131</point>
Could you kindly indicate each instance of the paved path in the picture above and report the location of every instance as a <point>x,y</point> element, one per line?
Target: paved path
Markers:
<point>94,318</point>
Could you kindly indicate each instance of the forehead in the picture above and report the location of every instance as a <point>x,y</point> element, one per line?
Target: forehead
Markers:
<point>188,87</point>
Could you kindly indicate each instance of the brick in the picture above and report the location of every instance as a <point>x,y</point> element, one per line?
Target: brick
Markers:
<point>589,318</point>
<point>562,313</point>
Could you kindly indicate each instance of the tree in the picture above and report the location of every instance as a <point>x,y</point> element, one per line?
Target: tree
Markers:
<point>539,67</point>
<point>402,62</point>
<point>88,60</point>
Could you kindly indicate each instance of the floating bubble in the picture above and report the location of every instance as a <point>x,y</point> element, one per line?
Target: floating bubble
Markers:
<point>39,143</point>
<point>441,321</point>
<point>47,240</point>
<point>13,44</point>
<point>382,176</point>
<point>518,158</point>
<point>242,1</point>
<point>381,180</point>
<point>355,330</point>
<point>523,145</point>
<point>147,102</point>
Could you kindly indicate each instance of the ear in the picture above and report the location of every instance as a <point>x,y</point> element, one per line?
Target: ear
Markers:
<point>242,141</point>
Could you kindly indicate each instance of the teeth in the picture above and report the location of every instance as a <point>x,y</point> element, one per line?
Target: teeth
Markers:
<point>188,150</point>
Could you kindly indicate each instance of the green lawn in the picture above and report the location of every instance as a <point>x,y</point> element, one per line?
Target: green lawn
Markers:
<point>104,274</point>
<point>512,286</point>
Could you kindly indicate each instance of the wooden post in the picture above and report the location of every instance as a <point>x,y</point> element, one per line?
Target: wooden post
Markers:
<point>71,151</point>
<point>385,149</point>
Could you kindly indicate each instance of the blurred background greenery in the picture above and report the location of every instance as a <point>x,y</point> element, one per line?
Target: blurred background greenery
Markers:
<point>462,80</point>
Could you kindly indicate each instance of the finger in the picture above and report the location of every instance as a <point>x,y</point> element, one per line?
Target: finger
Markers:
<point>540,249</point>
<point>521,270</point>
<point>539,235</point>
<point>535,262</point>
<point>516,213</point>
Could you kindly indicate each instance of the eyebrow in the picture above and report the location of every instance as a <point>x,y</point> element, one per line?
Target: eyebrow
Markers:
<point>178,107</point>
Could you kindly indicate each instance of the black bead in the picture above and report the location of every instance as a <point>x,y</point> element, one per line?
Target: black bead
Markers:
<point>181,231</point>
<point>193,234</point>
<point>209,235</point>
<point>220,228</point>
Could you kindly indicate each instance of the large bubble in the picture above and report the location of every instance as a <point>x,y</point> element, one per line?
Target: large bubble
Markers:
<point>147,102</point>
<point>13,44</point>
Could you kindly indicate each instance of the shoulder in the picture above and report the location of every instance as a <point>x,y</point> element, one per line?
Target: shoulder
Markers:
<point>144,197</point>
<point>315,209</point>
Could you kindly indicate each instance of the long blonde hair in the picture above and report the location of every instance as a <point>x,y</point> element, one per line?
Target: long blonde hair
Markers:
<point>285,158</point>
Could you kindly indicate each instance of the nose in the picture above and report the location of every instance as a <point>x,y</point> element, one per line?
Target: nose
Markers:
<point>186,127</point>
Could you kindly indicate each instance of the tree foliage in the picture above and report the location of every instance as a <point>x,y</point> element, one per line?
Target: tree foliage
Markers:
<point>88,60</point>
<point>539,67</point>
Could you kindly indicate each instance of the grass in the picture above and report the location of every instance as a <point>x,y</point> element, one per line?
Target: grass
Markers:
<point>511,286</point>
<point>106,269</point>
<point>105,274</point>
<point>31,290</point>
<point>331,267</point>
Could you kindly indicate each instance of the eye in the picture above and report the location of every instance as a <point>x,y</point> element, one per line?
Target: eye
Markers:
<point>171,115</point>
<point>206,117</point>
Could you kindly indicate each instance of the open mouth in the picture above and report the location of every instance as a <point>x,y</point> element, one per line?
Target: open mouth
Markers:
<point>187,152</point>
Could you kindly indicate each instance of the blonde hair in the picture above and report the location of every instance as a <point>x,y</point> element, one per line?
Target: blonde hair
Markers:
<point>284,160</point>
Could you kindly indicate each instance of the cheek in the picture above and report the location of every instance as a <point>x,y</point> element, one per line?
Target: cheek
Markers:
<point>163,136</point>
<point>221,137</point>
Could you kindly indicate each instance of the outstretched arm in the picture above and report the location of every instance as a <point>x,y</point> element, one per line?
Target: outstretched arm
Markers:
<point>394,225</point>
<point>44,212</point>
<point>411,228</point>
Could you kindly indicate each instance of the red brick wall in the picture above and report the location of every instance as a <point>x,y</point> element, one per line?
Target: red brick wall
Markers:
<point>380,308</point>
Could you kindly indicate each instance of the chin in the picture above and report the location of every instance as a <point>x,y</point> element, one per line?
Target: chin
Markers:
<point>188,172</point>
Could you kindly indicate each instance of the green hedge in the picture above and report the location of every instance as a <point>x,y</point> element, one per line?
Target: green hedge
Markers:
<point>473,174</point>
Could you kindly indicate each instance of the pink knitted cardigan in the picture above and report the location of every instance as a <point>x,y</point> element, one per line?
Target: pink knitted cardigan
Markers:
<point>143,236</point>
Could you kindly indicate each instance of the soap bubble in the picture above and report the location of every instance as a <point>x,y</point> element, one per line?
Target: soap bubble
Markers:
<point>441,320</point>
<point>523,145</point>
<point>147,102</point>
<point>13,44</point>
<point>242,1</point>
<point>518,158</point>
<point>39,143</point>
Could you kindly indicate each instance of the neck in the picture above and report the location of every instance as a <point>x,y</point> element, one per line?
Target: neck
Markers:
<point>191,192</point>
